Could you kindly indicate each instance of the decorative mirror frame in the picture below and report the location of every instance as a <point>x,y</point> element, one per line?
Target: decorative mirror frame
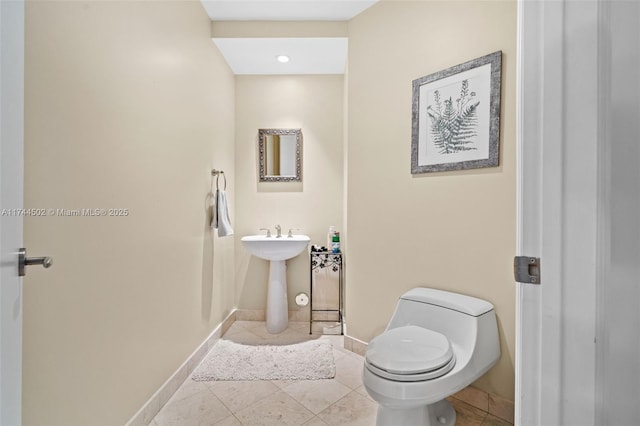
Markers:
<point>261,155</point>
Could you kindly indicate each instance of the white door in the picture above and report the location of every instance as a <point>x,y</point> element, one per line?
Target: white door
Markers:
<point>579,211</point>
<point>11,189</point>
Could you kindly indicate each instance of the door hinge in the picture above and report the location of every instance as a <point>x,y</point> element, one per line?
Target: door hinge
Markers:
<point>526,269</point>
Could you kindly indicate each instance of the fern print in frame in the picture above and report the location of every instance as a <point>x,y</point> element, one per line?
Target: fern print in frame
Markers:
<point>454,128</point>
<point>456,117</point>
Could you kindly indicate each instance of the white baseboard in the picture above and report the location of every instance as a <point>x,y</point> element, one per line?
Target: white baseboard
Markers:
<point>168,388</point>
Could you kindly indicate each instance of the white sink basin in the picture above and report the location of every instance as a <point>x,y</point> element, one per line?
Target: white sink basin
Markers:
<point>274,248</point>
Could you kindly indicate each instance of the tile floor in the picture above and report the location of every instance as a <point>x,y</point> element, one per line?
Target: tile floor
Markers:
<point>339,401</point>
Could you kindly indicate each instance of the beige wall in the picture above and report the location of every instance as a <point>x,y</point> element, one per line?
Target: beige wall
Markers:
<point>454,231</point>
<point>314,104</point>
<point>128,105</point>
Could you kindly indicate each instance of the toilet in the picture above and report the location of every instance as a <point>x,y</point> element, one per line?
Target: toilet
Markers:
<point>436,344</point>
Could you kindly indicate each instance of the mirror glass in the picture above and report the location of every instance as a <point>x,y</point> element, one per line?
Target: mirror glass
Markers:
<point>280,152</point>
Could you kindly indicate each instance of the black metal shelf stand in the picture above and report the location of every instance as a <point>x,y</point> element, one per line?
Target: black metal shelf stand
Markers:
<point>320,260</point>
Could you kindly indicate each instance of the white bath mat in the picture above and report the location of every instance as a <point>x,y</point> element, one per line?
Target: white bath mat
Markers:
<point>227,360</point>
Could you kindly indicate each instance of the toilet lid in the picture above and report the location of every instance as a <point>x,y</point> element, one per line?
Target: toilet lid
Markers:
<point>409,350</point>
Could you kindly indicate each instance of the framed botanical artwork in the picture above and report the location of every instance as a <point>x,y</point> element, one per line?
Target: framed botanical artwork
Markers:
<point>455,122</point>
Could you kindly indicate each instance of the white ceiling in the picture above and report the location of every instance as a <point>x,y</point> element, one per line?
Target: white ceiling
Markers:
<point>284,10</point>
<point>309,55</point>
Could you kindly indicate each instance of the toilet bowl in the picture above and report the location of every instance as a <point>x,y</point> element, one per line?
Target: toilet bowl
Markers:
<point>436,344</point>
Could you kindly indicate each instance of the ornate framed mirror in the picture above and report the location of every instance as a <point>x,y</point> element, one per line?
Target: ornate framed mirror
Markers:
<point>280,155</point>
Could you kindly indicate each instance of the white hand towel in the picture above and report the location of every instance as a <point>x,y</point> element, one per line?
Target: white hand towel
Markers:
<point>220,219</point>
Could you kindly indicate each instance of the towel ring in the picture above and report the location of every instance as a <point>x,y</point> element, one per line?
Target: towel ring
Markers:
<point>217,174</point>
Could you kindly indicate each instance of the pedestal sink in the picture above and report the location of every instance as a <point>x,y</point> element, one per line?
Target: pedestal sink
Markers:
<point>276,250</point>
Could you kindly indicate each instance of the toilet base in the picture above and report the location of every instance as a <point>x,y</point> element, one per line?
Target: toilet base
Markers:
<point>440,413</point>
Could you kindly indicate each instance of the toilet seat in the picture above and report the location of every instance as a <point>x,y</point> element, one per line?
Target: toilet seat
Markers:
<point>409,354</point>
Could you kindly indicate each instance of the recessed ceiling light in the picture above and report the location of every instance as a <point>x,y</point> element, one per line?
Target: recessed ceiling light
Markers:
<point>282,58</point>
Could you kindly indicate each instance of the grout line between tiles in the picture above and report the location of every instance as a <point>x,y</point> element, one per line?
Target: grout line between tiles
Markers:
<point>154,404</point>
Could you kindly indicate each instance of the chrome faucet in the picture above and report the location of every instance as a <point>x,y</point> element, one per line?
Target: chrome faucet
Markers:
<point>278,231</point>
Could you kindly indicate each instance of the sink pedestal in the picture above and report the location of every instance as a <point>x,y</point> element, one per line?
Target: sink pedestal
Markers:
<point>276,250</point>
<point>277,305</point>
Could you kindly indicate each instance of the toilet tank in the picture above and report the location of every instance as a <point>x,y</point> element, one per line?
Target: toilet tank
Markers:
<point>461,318</point>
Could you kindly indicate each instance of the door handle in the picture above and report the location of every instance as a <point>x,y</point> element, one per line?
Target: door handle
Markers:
<point>24,261</point>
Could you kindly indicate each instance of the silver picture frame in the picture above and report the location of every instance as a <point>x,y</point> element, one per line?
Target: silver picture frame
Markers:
<point>455,120</point>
